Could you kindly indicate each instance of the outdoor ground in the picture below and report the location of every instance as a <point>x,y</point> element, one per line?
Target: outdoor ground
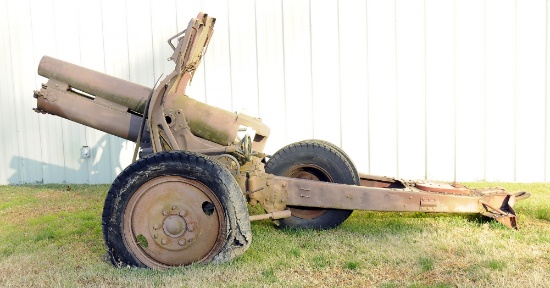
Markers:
<point>50,235</point>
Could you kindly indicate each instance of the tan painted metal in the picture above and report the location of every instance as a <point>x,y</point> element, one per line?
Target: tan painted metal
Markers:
<point>273,215</point>
<point>69,105</point>
<point>128,94</point>
<point>162,210</point>
<point>177,122</point>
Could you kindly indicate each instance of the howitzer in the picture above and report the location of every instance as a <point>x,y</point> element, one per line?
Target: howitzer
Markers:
<point>185,200</point>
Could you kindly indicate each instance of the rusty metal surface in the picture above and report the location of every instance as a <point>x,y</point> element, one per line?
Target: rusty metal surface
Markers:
<point>87,112</point>
<point>116,90</point>
<point>205,121</point>
<point>410,199</point>
<point>491,202</point>
<point>177,122</point>
<point>171,226</point>
<point>441,187</point>
<point>368,180</point>
<point>97,110</point>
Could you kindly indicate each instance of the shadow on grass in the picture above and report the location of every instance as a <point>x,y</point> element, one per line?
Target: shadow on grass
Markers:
<point>385,224</point>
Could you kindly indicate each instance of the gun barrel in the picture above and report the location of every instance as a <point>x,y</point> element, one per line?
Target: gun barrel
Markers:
<point>89,113</point>
<point>119,91</point>
<point>114,105</point>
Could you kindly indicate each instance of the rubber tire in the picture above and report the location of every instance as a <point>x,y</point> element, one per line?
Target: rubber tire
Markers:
<point>325,155</point>
<point>188,165</point>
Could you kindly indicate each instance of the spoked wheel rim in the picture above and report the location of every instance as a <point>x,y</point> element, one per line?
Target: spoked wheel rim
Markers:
<point>308,172</point>
<point>173,221</point>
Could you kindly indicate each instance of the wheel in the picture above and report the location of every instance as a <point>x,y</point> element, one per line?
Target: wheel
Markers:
<point>314,160</point>
<point>172,209</point>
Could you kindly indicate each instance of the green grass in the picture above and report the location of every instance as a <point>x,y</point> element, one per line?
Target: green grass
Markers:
<point>50,236</point>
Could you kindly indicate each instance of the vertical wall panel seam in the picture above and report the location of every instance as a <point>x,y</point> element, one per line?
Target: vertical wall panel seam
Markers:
<point>284,69</point>
<point>35,81</point>
<point>204,58</point>
<point>454,90</point>
<point>86,128</point>
<point>515,85</point>
<point>229,49</point>
<point>127,39</point>
<point>257,60</point>
<point>339,71</point>
<point>153,45</point>
<point>396,91</point>
<point>546,92</point>
<point>13,88</point>
<point>485,90</point>
<point>63,148</point>
<point>176,10</point>
<point>425,94</point>
<point>108,139</point>
<point>312,97</point>
<point>368,88</point>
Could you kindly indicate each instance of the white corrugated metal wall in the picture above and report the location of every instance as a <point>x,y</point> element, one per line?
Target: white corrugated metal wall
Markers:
<point>440,89</point>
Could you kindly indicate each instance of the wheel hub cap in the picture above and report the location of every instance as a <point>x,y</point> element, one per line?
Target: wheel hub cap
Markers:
<point>174,226</point>
<point>165,223</point>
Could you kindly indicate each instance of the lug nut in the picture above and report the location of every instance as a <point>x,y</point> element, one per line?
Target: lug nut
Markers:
<point>163,241</point>
<point>183,213</point>
<point>164,213</point>
<point>174,207</point>
<point>191,227</point>
<point>156,226</point>
<point>182,242</point>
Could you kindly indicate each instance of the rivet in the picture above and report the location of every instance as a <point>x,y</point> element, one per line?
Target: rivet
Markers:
<point>191,239</point>
<point>174,207</point>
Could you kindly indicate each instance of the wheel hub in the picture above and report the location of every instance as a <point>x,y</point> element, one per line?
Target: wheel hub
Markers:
<point>166,223</point>
<point>174,226</point>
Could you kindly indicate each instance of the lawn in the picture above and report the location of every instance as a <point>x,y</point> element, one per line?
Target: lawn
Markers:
<point>50,235</point>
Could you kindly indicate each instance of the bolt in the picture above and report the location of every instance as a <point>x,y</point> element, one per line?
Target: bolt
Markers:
<point>164,213</point>
<point>182,242</point>
<point>155,236</point>
<point>183,213</point>
<point>156,226</point>
<point>191,239</point>
<point>174,207</point>
<point>191,227</point>
<point>163,241</point>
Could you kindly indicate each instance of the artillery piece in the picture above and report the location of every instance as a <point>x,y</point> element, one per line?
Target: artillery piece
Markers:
<point>185,200</point>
